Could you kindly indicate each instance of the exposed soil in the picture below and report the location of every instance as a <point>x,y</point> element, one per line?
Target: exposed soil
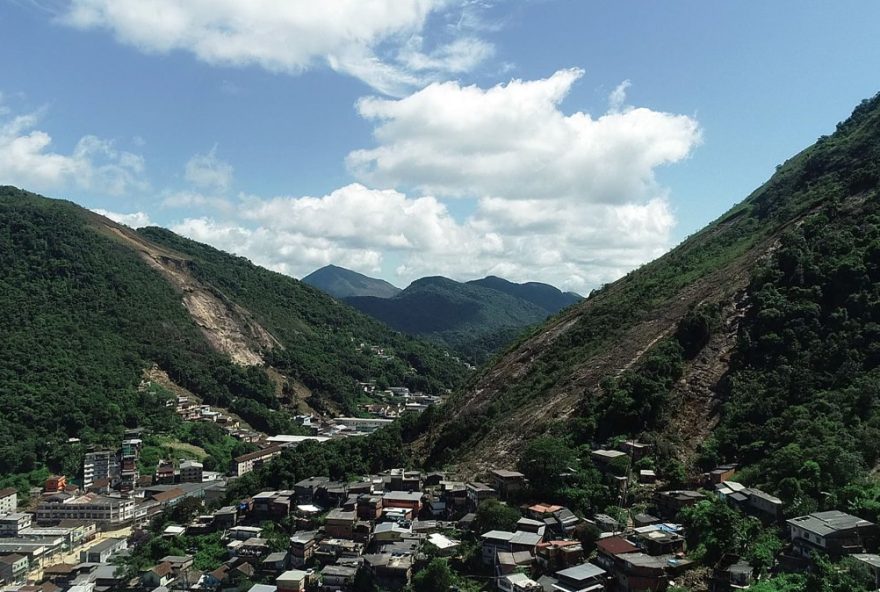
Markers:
<point>228,328</point>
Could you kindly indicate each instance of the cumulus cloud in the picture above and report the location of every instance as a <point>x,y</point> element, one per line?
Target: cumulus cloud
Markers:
<point>513,141</point>
<point>135,219</point>
<point>27,160</point>
<point>576,246</point>
<point>365,39</point>
<point>208,171</point>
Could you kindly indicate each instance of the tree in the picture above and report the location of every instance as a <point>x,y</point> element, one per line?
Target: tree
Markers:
<point>436,577</point>
<point>543,461</point>
<point>493,515</point>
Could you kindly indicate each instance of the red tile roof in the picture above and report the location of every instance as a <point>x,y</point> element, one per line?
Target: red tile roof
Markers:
<point>615,546</point>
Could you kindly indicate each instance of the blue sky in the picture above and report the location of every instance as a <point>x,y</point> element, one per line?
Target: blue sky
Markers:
<point>564,141</point>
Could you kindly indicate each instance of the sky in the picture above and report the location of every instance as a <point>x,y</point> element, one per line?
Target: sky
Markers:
<point>563,141</point>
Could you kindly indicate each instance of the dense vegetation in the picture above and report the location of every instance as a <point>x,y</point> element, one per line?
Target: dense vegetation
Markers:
<point>471,319</point>
<point>344,283</point>
<point>804,373</point>
<point>545,296</point>
<point>82,316</point>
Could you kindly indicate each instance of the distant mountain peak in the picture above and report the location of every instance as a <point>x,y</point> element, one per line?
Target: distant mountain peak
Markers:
<point>340,282</point>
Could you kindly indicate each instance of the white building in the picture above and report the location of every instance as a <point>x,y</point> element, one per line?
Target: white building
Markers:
<point>98,465</point>
<point>100,509</point>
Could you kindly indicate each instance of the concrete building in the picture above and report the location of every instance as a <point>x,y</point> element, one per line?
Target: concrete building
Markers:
<point>13,568</point>
<point>834,533</point>
<point>98,465</point>
<point>244,464</point>
<point>103,551</point>
<point>191,471</point>
<point>104,511</point>
<point>8,500</point>
<point>12,524</point>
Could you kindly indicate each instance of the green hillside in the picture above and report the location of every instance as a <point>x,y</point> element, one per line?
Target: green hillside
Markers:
<point>755,341</point>
<point>86,305</point>
<point>548,297</point>
<point>344,283</point>
<point>471,319</point>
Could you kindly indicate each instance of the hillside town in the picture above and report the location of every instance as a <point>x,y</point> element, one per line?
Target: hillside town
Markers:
<point>383,529</point>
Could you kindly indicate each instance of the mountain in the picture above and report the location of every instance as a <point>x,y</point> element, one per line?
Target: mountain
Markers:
<point>344,283</point>
<point>87,306</point>
<point>546,296</point>
<point>756,341</point>
<point>472,319</point>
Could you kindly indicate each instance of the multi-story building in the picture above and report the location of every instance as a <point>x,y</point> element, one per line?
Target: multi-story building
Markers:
<point>131,449</point>
<point>13,568</point>
<point>246,463</point>
<point>99,465</point>
<point>8,500</point>
<point>834,533</point>
<point>12,524</point>
<point>104,511</point>
<point>191,471</point>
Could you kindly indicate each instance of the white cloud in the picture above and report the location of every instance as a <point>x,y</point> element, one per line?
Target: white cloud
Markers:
<point>134,219</point>
<point>27,160</point>
<point>196,199</point>
<point>513,141</point>
<point>209,172</point>
<point>575,246</point>
<point>358,37</point>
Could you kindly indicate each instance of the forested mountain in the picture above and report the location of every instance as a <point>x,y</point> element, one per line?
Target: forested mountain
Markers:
<point>469,318</point>
<point>344,283</point>
<point>548,297</point>
<point>756,341</point>
<point>87,305</point>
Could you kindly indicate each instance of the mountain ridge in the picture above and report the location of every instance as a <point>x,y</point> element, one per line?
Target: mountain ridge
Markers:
<point>340,282</point>
<point>623,362</point>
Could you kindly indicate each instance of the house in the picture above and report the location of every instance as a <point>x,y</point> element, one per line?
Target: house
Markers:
<point>243,533</point>
<point>477,493</point>
<point>178,563</point>
<point>873,562</point>
<point>339,524</point>
<point>103,551</point>
<point>566,520</point>
<point>253,547</point>
<point>410,502</point>
<point>403,480</point>
<point>390,532</point>
<point>720,474</point>
<point>191,471</point>
<point>164,472</point>
<point>606,523</point>
<point>307,489</point>
<point>392,572</point>
<point>493,542</point>
<point>647,476</point>
<point>529,525</point>
<point>553,555</point>
<point>508,562</point>
<point>8,500</point>
<point>225,517</point>
<point>292,581</point>
<point>640,520</point>
<point>55,484</point>
<point>445,545</point>
<point>508,483</point>
<point>636,572</point>
<point>658,539</point>
<point>158,575</point>
<point>609,548</point>
<point>670,503</point>
<point>731,574</point>
<point>369,507</point>
<point>518,582</point>
<point>605,459</point>
<point>13,568</point>
<point>12,524</point>
<point>275,563</point>
<point>585,577</point>
<point>635,449</point>
<point>329,550</point>
<point>338,577</point>
<point>834,533</point>
<point>302,548</point>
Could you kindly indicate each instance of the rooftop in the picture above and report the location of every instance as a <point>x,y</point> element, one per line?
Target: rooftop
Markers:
<point>825,523</point>
<point>581,572</point>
